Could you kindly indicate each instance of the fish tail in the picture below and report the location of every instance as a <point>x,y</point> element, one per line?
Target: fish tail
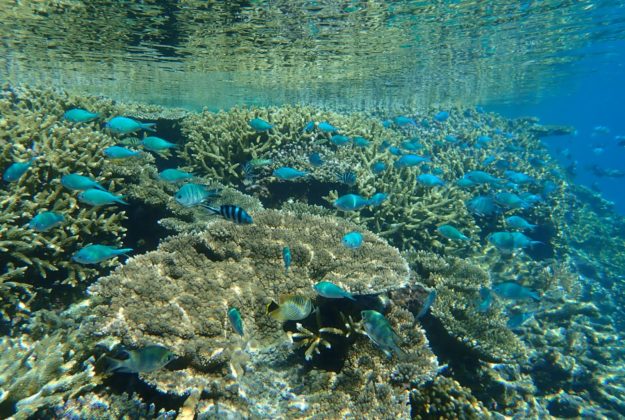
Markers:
<point>209,208</point>
<point>535,296</point>
<point>119,200</point>
<point>124,251</point>
<point>534,243</point>
<point>109,365</point>
<point>148,126</point>
<point>100,187</point>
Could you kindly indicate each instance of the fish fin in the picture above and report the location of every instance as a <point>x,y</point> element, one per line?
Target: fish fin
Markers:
<point>535,296</point>
<point>213,210</point>
<point>120,201</point>
<point>148,126</point>
<point>534,243</point>
<point>109,365</point>
<point>124,251</point>
<point>349,296</point>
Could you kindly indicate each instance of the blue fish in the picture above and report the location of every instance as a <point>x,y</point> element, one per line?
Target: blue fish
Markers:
<point>486,299</point>
<point>80,182</point>
<point>231,212</point>
<point>549,187</point>
<point>94,254</point>
<point>517,320</point>
<point>482,141</point>
<point>235,319</point>
<point>15,171</point>
<point>350,202</point>
<point>118,152</point>
<point>514,291</point>
<point>378,167</point>
<point>352,240</point>
<point>509,241</point>
<point>45,221</point>
<point>360,141</point>
<point>427,304</point>
<point>259,125</point>
<point>450,232</point>
<point>395,151</point>
<point>451,138</point>
<point>488,160</point>
<point>482,206</point>
<point>339,139</point>
<point>425,123</point>
<point>190,195</point>
<point>96,198</point>
<point>331,291</point>
<point>144,360</point>
<point>441,116</point>
<point>412,145</point>
<point>519,223</point>
<point>286,173</point>
<point>519,177</point>
<point>510,200</point>
<point>157,144</point>
<point>410,160</point>
<point>326,127</point>
<point>481,177</point>
<point>310,126</point>
<point>387,123</point>
<point>530,198</point>
<point>383,146</point>
<point>465,183</point>
<point>125,125</point>
<point>315,159</point>
<point>377,199</point>
<point>77,115</point>
<point>286,257</point>
<point>402,121</point>
<point>174,175</point>
<point>430,180</point>
<point>381,333</point>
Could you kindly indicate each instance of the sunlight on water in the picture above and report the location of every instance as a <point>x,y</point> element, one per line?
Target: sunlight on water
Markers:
<point>341,54</point>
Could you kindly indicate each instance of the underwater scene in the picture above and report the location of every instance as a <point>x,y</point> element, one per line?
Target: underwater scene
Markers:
<point>312,209</point>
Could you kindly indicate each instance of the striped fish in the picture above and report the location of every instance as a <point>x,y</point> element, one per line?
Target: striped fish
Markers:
<point>190,195</point>
<point>291,308</point>
<point>231,212</point>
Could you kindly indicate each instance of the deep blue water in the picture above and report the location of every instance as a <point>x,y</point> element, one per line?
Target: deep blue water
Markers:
<point>595,97</point>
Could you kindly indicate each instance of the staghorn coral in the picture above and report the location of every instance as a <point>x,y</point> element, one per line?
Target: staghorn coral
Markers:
<point>178,296</point>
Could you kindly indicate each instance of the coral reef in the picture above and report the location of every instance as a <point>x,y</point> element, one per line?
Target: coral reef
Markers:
<point>178,296</point>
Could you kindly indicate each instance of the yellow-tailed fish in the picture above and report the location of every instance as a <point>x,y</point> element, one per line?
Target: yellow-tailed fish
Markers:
<point>290,308</point>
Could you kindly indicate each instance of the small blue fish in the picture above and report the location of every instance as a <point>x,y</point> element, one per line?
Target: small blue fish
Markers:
<point>519,177</point>
<point>360,141</point>
<point>510,241</point>
<point>517,320</point>
<point>352,240</point>
<point>425,123</point>
<point>383,146</point>
<point>96,198</point>
<point>442,116</point>
<point>402,121</point>
<point>77,115</point>
<point>326,127</point>
<point>15,171</point>
<point>118,152</point>
<point>174,175</point>
<point>350,202</point>
<point>190,195</point>
<point>378,167</point>
<point>519,223</point>
<point>94,254</point>
<point>45,221</point>
<point>410,160</point>
<point>157,144</point>
<point>125,125</point>
<point>530,198</point>
<point>235,319</point>
<point>286,257</point>
<point>430,180</point>
<point>510,200</point>
<point>486,299</point>
<point>315,159</point>
<point>331,291</point>
<point>339,139</point>
<point>514,291</point>
<point>395,151</point>
<point>80,182</point>
<point>549,187</point>
<point>412,145</point>
<point>377,199</point>
<point>451,138</point>
<point>381,333</point>
<point>427,304</point>
<point>482,206</point>
<point>482,141</point>
<point>465,183</point>
<point>286,173</point>
<point>347,178</point>
<point>260,125</point>
<point>231,212</point>
<point>481,177</point>
<point>387,123</point>
<point>450,232</point>
<point>310,126</point>
<point>488,160</point>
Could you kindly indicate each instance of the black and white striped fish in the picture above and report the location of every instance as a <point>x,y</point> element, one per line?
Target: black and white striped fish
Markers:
<point>231,212</point>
